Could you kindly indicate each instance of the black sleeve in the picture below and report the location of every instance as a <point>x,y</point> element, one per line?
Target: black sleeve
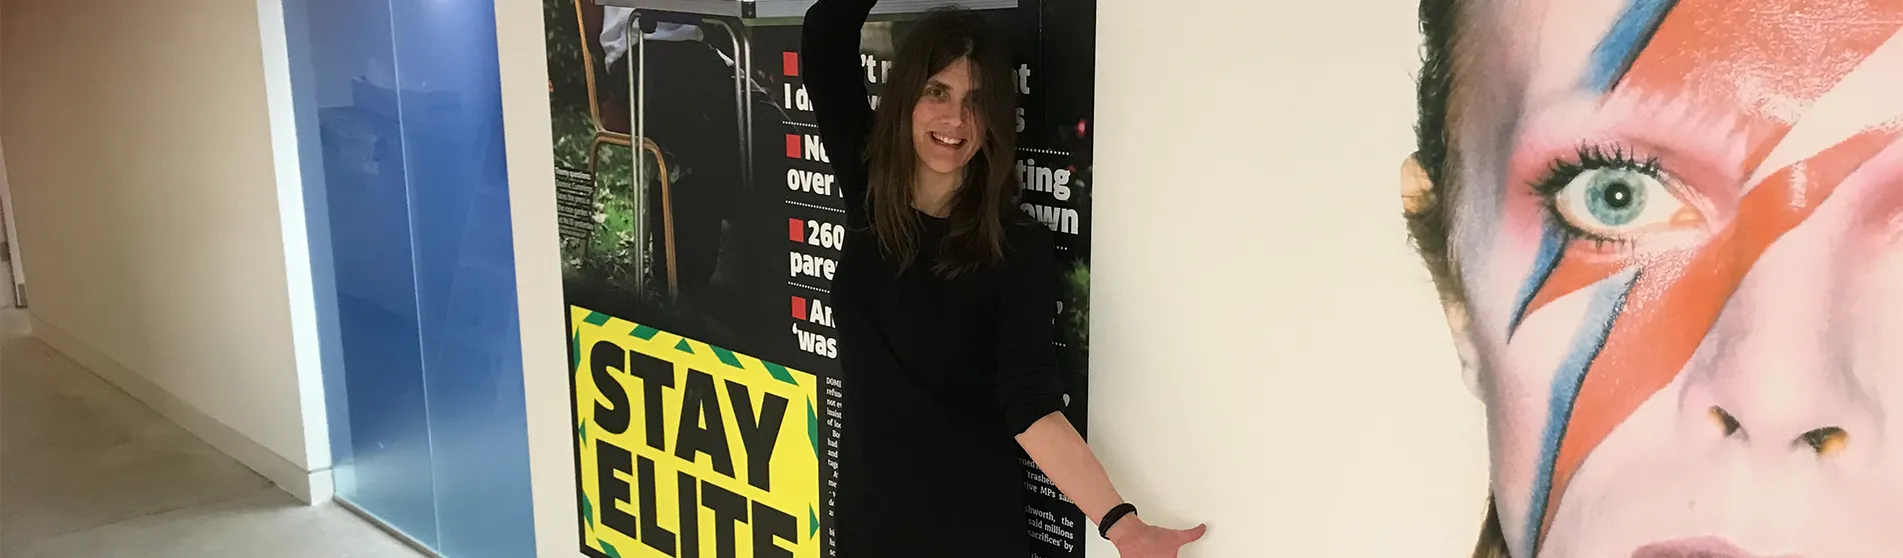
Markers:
<point>829,64</point>
<point>1028,383</point>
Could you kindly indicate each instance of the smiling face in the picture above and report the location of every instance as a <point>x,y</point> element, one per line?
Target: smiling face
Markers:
<point>1679,231</point>
<point>945,128</point>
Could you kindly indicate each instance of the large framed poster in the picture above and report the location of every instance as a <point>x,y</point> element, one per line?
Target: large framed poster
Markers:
<point>700,231</point>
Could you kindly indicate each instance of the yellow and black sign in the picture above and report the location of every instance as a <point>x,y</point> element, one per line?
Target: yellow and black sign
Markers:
<point>687,449</point>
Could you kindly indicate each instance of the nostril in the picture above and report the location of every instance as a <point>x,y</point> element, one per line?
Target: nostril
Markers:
<point>1826,441</point>
<point>1725,421</point>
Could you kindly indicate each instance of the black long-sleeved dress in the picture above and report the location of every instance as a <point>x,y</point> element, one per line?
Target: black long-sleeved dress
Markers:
<point>940,374</point>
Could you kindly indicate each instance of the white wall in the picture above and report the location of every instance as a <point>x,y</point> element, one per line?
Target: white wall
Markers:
<point>523,63</point>
<point>1268,357</point>
<point>140,151</point>
<point>1267,354</point>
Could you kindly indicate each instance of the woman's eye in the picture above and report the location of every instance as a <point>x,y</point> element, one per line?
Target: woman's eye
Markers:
<point>1616,202</point>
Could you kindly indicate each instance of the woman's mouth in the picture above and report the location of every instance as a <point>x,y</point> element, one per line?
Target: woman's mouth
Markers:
<point>1703,547</point>
<point>946,141</point>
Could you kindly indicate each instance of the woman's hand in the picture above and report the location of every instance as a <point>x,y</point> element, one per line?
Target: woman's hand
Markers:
<point>1136,539</point>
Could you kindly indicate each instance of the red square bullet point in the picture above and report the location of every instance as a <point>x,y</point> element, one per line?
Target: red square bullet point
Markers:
<point>799,308</point>
<point>796,229</point>
<point>792,146</point>
<point>792,62</point>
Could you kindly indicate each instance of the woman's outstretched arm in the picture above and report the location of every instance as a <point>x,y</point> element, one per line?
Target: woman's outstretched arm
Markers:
<point>1033,399</point>
<point>1060,451</point>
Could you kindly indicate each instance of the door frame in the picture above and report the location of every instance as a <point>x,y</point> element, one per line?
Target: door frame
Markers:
<point>15,263</point>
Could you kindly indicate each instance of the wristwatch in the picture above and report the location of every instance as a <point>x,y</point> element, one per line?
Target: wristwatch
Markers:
<point>1111,518</point>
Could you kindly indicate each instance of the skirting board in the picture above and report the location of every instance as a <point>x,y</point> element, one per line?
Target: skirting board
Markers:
<point>311,487</point>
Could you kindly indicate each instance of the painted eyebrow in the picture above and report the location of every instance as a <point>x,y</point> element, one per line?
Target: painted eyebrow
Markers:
<point>1620,47</point>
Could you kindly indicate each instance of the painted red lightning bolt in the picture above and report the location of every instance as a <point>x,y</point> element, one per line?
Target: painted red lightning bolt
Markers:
<point>1763,62</point>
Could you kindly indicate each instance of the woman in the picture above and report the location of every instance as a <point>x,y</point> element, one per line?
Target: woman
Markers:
<point>945,298</point>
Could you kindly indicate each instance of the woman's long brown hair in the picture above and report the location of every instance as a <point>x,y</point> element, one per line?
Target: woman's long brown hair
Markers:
<point>986,198</point>
<point>1492,542</point>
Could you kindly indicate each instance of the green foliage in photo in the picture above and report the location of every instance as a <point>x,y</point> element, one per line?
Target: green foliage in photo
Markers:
<point>1075,319</point>
<point>566,66</point>
<point>613,250</point>
<point>574,132</point>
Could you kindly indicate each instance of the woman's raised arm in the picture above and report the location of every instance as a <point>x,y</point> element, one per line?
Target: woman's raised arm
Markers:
<point>835,81</point>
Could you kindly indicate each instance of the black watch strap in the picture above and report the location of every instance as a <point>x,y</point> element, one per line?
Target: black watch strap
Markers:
<point>1111,518</point>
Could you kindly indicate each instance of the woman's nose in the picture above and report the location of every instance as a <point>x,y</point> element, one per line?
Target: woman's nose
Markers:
<point>951,113</point>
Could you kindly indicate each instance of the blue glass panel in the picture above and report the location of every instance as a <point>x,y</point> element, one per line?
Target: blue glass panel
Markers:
<point>465,274</point>
<point>384,462</point>
<point>400,131</point>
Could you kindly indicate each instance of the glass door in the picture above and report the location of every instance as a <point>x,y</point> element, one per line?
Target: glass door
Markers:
<point>401,130</point>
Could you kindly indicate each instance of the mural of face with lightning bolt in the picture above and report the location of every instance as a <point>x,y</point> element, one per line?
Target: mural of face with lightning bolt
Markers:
<point>1673,254</point>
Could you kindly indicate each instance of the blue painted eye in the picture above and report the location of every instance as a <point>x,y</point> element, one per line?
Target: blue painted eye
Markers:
<point>1613,202</point>
<point>1613,198</point>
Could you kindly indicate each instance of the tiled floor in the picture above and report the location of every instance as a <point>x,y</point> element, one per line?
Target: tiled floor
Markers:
<point>85,470</point>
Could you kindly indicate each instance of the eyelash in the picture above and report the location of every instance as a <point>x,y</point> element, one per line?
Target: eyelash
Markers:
<point>1588,157</point>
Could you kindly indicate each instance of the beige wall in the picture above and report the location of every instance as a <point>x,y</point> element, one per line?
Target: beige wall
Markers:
<point>1267,357</point>
<point>1247,212</point>
<point>139,145</point>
